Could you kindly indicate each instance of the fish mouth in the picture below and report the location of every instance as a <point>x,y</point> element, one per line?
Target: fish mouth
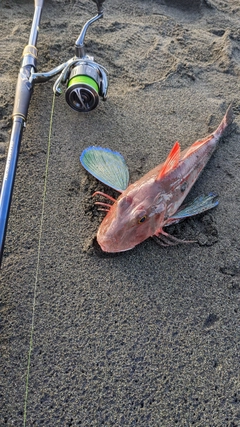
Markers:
<point>112,241</point>
<point>110,248</point>
<point>100,252</point>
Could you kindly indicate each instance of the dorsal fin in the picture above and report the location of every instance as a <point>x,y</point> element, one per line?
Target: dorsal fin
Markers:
<point>171,161</point>
<point>196,145</point>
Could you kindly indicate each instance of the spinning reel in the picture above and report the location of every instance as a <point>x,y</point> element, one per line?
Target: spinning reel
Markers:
<point>86,80</point>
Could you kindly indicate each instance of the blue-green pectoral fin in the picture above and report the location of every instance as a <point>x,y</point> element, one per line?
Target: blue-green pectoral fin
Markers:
<point>107,166</point>
<point>199,205</point>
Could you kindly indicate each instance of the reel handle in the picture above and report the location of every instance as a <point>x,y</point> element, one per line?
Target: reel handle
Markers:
<point>79,45</point>
<point>99,5</point>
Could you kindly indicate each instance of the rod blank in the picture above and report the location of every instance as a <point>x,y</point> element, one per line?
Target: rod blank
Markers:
<point>22,100</point>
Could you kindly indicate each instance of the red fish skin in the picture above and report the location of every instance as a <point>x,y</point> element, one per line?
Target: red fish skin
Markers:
<point>143,209</point>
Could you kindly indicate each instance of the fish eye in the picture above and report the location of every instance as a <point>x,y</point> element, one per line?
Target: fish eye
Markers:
<point>141,220</point>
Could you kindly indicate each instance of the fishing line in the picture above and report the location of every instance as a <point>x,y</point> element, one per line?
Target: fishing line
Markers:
<point>38,263</point>
<point>86,81</point>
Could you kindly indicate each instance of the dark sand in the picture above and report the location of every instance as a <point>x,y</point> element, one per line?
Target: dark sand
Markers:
<point>149,337</point>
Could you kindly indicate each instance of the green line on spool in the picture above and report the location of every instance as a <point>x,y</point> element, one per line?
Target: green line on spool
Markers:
<point>84,80</point>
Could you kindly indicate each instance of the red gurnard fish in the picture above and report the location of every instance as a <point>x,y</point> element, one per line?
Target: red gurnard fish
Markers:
<point>153,202</point>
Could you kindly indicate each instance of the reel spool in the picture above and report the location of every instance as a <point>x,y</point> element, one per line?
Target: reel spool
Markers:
<point>86,83</point>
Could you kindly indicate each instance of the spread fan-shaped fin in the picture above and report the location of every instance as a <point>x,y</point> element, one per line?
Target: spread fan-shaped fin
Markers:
<point>171,161</point>
<point>107,166</point>
<point>197,206</point>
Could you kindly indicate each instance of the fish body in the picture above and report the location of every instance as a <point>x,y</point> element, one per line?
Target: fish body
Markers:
<point>147,206</point>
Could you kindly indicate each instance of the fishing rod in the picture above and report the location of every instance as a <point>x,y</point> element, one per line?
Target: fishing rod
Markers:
<point>85,81</point>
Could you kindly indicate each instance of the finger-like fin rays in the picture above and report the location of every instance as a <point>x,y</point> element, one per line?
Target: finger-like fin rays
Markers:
<point>100,193</point>
<point>106,206</point>
<point>165,239</point>
<point>171,162</point>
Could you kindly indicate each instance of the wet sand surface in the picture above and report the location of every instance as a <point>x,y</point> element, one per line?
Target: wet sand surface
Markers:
<point>148,337</point>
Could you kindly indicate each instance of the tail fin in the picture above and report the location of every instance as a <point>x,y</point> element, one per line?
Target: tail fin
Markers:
<point>226,121</point>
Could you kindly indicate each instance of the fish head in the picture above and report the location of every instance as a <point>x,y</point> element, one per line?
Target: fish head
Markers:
<point>132,219</point>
